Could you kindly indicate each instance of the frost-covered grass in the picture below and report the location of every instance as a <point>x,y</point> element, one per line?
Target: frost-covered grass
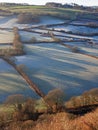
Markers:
<point>85,47</point>
<point>11,82</point>
<point>96,38</point>
<point>53,66</point>
<point>50,20</point>
<point>84,22</point>
<point>48,65</point>
<point>6,36</point>
<point>77,29</point>
<point>28,36</point>
<point>58,29</point>
<point>81,29</point>
<point>11,21</point>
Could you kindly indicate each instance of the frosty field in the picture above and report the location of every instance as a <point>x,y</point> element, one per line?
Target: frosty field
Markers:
<point>53,66</point>
<point>11,82</point>
<point>49,65</point>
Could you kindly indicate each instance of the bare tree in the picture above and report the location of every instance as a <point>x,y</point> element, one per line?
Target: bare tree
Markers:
<point>15,100</point>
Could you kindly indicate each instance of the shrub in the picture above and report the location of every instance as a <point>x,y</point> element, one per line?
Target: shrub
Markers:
<point>15,100</point>
<point>25,18</point>
<point>92,24</point>
<point>33,39</point>
<point>26,111</point>
<point>75,49</point>
<point>87,98</point>
<point>55,99</point>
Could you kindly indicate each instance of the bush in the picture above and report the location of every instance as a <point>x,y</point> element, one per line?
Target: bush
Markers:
<point>15,100</point>
<point>55,99</point>
<point>33,39</point>
<point>75,49</point>
<point>87,98</point>
<point>26,18</point>
<point>92,24</point>
<point>26,111</point>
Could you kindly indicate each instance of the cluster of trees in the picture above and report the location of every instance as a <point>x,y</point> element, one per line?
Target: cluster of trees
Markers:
<point>72,5</point>
<point>53,102</point>
<point>7,52</point>
<point>92,24</point>
<point>87,98</point>
<point>25,18</point>
<point>26,110</point>
<point>13,4</point>
<point>54,38</point>
<point>17,47</point>
<point>17,44</point>
<point>53,4</point>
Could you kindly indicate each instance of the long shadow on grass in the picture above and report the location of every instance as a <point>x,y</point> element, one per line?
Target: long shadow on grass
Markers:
<point>14,84</point>
<point>50,68</point>
<point>70,84</point>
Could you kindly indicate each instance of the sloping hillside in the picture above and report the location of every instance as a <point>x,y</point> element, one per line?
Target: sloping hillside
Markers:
<point>63,121</point>
<point>59,121</point>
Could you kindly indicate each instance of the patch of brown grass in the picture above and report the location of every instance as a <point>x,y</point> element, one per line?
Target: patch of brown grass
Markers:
<point>59,121</point>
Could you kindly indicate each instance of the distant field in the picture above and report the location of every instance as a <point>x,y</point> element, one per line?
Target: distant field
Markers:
<point>44,10</point>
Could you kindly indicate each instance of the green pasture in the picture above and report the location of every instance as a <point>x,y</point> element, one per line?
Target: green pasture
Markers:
<point>44,10</point>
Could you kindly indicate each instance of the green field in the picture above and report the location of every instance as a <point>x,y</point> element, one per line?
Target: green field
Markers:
<point>44,10</point>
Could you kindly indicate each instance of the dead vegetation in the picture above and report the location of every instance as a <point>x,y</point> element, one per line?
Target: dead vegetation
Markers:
<point>59,121</point>
<point>27,117</point>
<point>25,18</point>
